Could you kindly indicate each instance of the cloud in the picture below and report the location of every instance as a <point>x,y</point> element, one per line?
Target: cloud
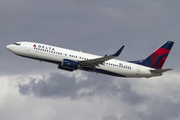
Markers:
<point>62,86</point>
<point>130,96</point>
<point>161,110</point>
<point>110,117</point>
<point>90,96</point>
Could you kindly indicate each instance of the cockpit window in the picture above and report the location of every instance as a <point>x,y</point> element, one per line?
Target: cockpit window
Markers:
<point>17,44</point>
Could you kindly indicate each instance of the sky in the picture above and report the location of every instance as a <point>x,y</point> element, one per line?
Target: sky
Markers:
<point>33,90</point>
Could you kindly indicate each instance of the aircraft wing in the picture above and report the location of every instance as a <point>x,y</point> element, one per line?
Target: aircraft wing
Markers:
<point>95,62</point>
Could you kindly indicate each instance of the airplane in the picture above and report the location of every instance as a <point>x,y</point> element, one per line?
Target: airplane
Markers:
<point>71,60</point>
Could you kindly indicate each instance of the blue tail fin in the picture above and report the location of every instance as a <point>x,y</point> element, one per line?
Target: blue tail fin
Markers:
<point>157,58</point>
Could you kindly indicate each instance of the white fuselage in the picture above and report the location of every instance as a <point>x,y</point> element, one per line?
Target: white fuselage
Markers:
<point>55,55</point>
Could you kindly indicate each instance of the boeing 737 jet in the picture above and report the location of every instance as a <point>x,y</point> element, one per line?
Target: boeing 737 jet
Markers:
<point>71,60</point>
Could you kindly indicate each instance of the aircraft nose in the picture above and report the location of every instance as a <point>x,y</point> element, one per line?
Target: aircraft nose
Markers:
<point>8,47</point>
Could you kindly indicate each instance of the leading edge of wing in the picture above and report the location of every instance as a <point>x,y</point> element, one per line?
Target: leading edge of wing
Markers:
<point>97,61</point>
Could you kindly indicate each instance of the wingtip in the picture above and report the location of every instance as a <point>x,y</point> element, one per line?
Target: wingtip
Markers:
<point>119,51</point>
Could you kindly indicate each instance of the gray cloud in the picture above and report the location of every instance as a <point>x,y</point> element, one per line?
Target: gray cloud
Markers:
<point>110,117</point>
<point>61,86</point>
<point>161,110</point>
<point>130,96</point>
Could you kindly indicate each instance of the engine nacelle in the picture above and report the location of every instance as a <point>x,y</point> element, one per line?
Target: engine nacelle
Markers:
<point>63,68</point>
<point>70,64</point>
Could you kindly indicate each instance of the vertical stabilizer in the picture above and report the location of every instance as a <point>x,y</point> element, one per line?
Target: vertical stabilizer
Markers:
<point>157,58</point>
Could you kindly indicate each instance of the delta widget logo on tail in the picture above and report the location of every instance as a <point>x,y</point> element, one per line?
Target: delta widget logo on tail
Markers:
<point>158,58</point>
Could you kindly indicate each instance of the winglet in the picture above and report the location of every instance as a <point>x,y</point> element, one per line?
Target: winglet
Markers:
<point>119,51</point>
<point>105,55</point>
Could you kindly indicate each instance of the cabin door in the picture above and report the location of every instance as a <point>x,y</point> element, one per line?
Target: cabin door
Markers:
<point>27,47</point>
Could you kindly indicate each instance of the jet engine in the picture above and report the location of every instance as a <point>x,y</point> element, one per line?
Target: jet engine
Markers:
<point>68,65</point>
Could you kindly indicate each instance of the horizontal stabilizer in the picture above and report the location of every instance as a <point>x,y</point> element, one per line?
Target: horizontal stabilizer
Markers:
<point>160,70</point>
